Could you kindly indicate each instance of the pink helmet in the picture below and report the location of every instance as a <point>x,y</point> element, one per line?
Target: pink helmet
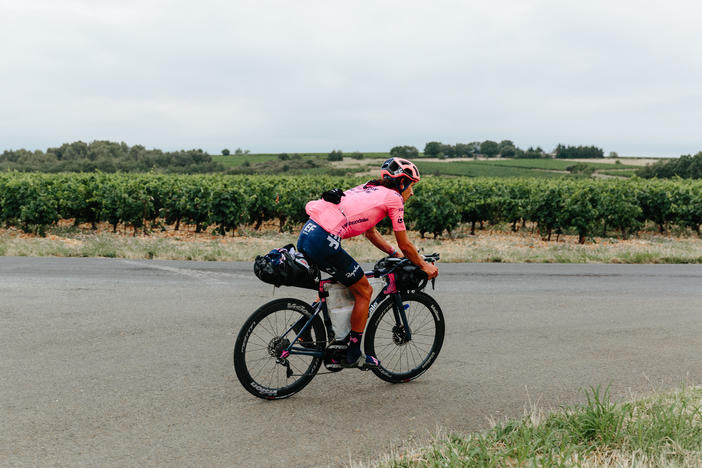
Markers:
<point>394,168</point>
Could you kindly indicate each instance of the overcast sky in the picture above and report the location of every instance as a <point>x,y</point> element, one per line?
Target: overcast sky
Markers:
<point>317,75</point>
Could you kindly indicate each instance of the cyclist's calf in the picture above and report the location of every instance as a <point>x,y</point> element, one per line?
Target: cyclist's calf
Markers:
<point>362,292</point>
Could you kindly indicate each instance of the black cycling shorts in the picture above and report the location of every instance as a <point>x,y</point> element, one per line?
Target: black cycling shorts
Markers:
<point>325,250</point>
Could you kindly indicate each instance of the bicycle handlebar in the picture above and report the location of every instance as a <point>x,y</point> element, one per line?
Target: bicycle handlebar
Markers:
<point>390,264</point>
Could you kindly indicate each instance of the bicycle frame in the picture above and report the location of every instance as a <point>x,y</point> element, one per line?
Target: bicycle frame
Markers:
<point>320,307</point>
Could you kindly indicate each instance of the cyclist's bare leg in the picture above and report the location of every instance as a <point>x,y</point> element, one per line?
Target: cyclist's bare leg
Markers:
<point>362,292</point>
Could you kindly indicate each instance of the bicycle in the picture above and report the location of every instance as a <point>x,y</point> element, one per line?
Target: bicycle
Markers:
<point>283,344</point>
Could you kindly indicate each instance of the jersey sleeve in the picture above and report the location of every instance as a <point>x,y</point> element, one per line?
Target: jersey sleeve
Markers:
<point>396,211</point>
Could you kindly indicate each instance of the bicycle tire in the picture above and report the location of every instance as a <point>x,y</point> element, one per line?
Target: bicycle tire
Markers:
<point>260,340</point>
<point>385,341</point>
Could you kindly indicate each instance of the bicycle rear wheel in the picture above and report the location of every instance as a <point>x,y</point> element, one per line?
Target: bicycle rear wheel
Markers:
<point>258,360</point>
<point>402,357</point>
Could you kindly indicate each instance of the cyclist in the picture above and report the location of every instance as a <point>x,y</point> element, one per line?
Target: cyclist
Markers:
<point>340,215</point>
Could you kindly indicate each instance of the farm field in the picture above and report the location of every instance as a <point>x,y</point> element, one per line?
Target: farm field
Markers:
<point>467,167</point>
<point>520,167</point>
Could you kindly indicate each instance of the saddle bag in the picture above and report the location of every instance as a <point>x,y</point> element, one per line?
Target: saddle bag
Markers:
<point>286,267</point>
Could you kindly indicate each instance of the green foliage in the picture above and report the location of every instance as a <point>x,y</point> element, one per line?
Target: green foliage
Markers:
<point>578,152</point>
<point>579,210</point>
<point>489,148</point>
<point>582,206</point>
<point>531,153</point>
<point>108,156</point>
<point>663,430</point>
<point>508,151</point>
<point>407,152</point>
<point>686,167</point>
<point>432,149</point>
<point>580,168</point>
<point>336,155</point>
<point>429,212</point>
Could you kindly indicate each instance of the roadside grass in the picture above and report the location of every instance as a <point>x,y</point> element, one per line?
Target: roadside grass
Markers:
<point>495,245</point>
<point>661,430</point>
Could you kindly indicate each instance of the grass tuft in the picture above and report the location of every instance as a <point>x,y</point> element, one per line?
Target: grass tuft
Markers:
<point>663,430</point>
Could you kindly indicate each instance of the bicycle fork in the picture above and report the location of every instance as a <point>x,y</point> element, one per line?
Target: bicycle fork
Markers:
<point>398,310</point>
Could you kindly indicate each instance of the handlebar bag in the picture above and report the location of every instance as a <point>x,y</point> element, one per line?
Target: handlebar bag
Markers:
<point>410,278</point>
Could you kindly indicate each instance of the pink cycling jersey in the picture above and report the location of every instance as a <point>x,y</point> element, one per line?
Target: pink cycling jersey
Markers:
<point>360,209</point>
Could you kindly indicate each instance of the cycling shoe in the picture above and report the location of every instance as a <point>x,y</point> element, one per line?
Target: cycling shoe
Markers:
<point>363,362</point>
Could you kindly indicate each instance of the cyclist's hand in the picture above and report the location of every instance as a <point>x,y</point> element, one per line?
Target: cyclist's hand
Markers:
<point>430,270</point>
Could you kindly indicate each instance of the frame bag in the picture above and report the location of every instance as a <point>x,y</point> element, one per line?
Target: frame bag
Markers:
<point>286,267</point>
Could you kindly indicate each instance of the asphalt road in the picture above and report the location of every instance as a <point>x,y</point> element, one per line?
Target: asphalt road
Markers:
<point>116,362</point>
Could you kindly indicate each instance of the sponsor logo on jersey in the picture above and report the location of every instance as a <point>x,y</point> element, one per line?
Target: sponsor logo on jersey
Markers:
<point>351,223</point>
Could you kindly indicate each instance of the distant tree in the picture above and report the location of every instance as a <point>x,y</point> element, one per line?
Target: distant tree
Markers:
<point>508,151</point>
<point>504,144</point>
<point>686,167</point>
<point>225,152</point>
<point>336,155</point>
<point>406,151</point>
<point>489,148</point>
<point>532,153</point>
<point>613,154</point>
<point>448,150</point>
<point>357,155</point>
<point>463,149</point>
<point>432,149</point>
<point>578,152</point>
<point>283,156</point>
<point>474,147</point>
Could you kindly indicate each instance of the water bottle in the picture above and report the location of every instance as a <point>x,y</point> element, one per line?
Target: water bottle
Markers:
<point>340,305</point>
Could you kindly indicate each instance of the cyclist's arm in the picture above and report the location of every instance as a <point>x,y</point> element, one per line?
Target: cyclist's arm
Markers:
<point>377,240</point>
<point>410,252</point>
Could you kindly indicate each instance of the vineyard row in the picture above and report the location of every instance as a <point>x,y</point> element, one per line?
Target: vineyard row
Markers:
<point>585,207</point>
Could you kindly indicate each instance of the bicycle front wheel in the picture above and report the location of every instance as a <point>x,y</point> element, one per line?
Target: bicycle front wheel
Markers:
<point>405,356</point>
<point>259,361</point>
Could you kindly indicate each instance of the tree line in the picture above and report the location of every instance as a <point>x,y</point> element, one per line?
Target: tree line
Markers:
<point>222,203</point>
<point>685,167</point>
<point>108,156</point>
<point>491,149</point>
